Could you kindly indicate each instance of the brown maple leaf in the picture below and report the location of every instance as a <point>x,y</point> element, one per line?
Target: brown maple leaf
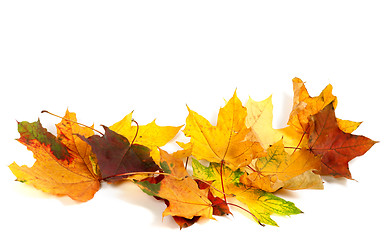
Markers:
<point>117,157</point>
<point>335,147</point>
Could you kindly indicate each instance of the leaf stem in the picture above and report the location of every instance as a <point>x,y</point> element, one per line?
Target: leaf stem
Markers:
<point>299,143</point>
<point>221,180</point>
<point>295,148</point>
<point>186,163</point>
<point>145,173</point>
<point>138,127</point>
<point>209,184</point>
<point>45,111</point>
<point>252,169</point>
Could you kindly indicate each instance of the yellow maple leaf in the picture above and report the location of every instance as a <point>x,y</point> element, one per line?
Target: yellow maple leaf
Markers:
<point>150,135</point>
<point>259,119</point>
<point>226,142</point>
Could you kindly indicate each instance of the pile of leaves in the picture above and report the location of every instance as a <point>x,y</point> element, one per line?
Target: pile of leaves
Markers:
<point>241,161</point>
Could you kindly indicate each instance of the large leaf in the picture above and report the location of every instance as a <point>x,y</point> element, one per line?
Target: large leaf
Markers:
<point>225,141</point>
<point>62,164</point>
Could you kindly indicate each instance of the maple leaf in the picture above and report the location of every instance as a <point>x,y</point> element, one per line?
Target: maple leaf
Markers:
<point>224,142</point>
<point>182,192</point>
<point>260,203</point>
<point>263,204</point>
<point>305,106</point>
<point>117,157</point>
<point>219,206</point>
<point>150,135</point>
<point>278,168</point>
<point>62,164</point>
<point>335,146</point>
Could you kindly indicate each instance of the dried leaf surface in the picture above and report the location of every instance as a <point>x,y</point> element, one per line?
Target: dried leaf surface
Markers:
<point>225,141</point>
<point>62,164</point>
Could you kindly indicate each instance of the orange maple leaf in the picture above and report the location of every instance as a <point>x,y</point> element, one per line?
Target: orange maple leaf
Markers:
<point>62,164</point>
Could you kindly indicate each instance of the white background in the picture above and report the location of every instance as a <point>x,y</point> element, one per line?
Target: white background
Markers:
<point>103,59</point>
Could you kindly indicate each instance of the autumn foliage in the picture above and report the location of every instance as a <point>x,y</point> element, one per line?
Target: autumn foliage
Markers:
<point>240,162</point>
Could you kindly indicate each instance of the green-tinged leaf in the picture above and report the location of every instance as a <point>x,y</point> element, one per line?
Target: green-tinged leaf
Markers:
<point>151,189</point>
<point>263,204</point>
<point>62,163</point>
<point>212,174</point>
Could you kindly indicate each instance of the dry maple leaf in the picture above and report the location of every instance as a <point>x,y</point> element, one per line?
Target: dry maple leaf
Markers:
<point>335,147</point>
<point>224,142</point>
<point>117,157</point>
<point>150,135</point>
<point>278,169</point>
<point>305,106</point>
<point>182,192</point>
<point>62,164</point>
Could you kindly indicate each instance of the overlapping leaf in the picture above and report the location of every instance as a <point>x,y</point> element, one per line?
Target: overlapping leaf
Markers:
<point>150,135</point>
<point>279,169</point>
<point>182,192</point>
<point>62,164</point>
<point>227,140</point>
<point>117,157</point>
<point>335,147</point>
